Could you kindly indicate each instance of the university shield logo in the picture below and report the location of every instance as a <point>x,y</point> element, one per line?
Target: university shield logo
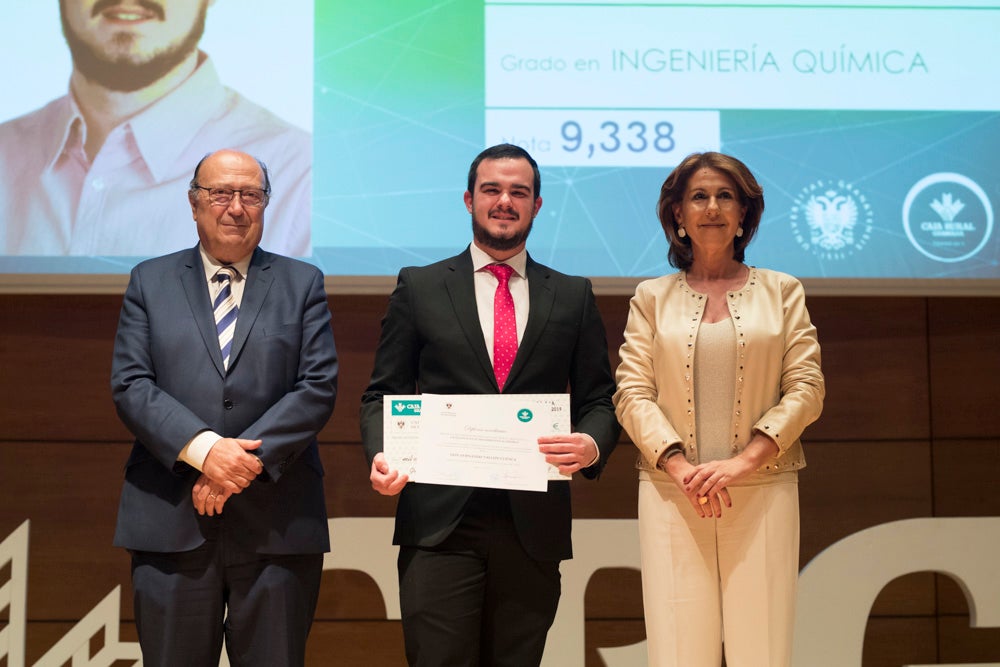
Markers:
<point>831,220</point>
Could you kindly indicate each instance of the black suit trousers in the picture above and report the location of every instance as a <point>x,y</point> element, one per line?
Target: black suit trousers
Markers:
<point>477,598</point>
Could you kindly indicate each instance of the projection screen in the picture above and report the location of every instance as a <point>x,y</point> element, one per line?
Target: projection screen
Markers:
<point>874,129</point>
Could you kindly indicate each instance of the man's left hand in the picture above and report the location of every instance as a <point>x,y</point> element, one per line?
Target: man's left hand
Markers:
<point>209,497</point>
<point>569,452</point>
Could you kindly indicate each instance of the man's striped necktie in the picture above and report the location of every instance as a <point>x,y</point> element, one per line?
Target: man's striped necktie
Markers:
<point>226,311</point>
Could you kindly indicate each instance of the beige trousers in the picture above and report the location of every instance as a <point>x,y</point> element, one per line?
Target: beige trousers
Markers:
<point>709,580</point>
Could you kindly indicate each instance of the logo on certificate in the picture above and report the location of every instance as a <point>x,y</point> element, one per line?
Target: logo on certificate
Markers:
<point>832,220</point>
<point>947,217</point>
<point>524,415</point>
<point>406,408</point>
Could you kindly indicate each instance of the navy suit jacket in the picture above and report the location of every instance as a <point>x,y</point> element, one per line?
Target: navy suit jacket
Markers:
<point>169,384</point>
<point>432,341</point>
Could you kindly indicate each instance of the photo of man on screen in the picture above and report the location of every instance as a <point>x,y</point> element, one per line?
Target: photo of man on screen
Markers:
<point>100,170</point>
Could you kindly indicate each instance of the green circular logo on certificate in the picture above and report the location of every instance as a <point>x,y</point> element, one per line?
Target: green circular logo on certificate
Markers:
<point>524,415</point>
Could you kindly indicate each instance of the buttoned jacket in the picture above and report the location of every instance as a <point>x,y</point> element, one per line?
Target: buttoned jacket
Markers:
<point>169,384</point>
<point>432,341</point>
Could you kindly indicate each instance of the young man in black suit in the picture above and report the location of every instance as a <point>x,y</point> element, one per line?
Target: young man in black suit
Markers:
<point>479,568</point>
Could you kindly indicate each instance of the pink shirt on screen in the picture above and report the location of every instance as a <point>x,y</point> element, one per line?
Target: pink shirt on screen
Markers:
<point>132,201</point>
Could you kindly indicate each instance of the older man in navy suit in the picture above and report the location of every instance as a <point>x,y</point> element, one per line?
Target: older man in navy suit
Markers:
<point>224,370</point>
<point>479,568</point>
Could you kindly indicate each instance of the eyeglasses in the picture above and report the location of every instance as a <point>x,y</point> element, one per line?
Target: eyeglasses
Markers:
<point>723,200</point>
<point>252,197</point>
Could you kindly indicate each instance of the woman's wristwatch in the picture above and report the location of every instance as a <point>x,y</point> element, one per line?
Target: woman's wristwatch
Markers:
<point>661,464</point>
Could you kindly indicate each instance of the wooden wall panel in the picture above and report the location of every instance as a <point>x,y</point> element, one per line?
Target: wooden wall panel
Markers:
<point>615,495</point>
<point>55,356</point>
<point>610,634</point>
<point>357,644</point>
<point>909,430</point>
<point>348,492</point>
<point>614,593</point>
<point>957,637</point>
<point>356,326</point>
<point>848,486</point>
<point>960,643</point>
<point>965,365</point>
<point>965,477</point>
<point>891,642</point>
<point>350,595</point>
<point>875,364</point>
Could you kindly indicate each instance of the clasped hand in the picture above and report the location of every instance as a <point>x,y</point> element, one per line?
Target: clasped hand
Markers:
<point>704,485</point>
<point>228,469</point>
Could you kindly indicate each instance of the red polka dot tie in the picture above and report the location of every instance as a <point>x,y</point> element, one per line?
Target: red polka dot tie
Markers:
<point>504,324</point>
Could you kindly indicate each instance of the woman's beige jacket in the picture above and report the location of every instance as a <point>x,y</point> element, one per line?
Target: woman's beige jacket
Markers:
<point>779,384</point>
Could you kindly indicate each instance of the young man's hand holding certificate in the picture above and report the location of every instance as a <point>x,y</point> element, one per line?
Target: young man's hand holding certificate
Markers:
<point>474,439</point>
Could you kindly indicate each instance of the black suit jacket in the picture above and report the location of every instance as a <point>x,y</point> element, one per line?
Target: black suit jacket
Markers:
<point>432,342</point>
<point>169,384</point>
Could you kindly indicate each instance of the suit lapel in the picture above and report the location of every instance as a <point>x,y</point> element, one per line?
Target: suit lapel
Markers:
<point>462,292</point>
<point>259,280</point>
<point>541,297</point>
<point>192,277</point>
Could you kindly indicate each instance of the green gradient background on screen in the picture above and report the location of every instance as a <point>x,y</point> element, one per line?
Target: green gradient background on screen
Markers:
<point>398,117</point>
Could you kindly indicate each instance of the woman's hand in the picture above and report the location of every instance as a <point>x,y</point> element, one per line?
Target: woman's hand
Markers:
<point>706,506</point>
<point>708,479</point>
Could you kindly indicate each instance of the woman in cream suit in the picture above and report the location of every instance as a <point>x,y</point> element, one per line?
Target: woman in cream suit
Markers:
<point>719,375</point>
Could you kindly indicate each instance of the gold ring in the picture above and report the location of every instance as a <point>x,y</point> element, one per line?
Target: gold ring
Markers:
<point>703,500</point>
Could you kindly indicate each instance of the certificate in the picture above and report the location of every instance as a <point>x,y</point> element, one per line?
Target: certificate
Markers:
<point>481,440</point>
<point>401,432</point>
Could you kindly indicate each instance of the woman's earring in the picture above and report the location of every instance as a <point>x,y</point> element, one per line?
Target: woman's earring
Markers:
<point>681,233</point>
<point>739,231</point>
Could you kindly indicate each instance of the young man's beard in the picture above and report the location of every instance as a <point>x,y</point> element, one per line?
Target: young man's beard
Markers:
<point>123,73</point>
<point>500,243</point>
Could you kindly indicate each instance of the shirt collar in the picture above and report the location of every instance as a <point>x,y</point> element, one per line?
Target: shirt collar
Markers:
<point>212,265</point>
<point>185,110</point>
<point>68,127</point>
<point>480,259</point>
